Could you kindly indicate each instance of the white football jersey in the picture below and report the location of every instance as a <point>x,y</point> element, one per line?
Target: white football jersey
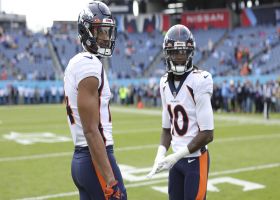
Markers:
<point>183,109</point>
<point>79,67</point>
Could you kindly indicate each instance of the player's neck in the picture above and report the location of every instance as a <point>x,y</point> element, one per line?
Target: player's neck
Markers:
<point>177,77</point>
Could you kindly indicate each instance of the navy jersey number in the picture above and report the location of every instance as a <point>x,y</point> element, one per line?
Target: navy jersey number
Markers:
<point>69,111</point>
<point>174,115</point>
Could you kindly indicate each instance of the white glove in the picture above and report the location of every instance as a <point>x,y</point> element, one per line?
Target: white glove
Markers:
<point>170,160</point>
<point>160,155</point>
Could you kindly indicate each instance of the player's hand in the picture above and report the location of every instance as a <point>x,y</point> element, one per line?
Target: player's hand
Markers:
<point>170,160</point>
<point>160,155</point>
<point>156,169</point>
<point>167,162</point>
<point>113,192</point>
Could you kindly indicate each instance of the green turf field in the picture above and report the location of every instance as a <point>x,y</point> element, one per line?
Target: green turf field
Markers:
<point>36,149</point>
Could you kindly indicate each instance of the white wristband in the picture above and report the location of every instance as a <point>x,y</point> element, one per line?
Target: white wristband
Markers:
<point>160,152</point>
<point>182,153</point>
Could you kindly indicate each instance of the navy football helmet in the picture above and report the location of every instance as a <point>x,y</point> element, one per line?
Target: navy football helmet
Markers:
<point>178,47</point>
<point>97,29</point>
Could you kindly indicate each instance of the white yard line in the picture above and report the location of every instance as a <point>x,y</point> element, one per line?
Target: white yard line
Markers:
<point>245,169</point>
<point>247,120</point>
<point>62,154</point>
<point>67,194</point>
<point>238,119</point>
<point>33,157</point>
<point>133,131</point>
<point>152,182</point>
<point>31,107</point>
<point>246,138</point>
<point>149,146</point>
<point>117,132</point>
<point>136,111</point>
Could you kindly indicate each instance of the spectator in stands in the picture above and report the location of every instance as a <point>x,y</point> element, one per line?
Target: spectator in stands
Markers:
<point>4,75</point>
<point>267,90</point>
<point>232,96</point>
<point>277,95</point>
<point>258,97</point>
<point>248,97</point>
<point>53,93</point>
<point>225,95</point>
<point>42,95</point>
<point>2,102</point>
<point>216,98</point>
<point>246,69</point>
<point>123,95</point>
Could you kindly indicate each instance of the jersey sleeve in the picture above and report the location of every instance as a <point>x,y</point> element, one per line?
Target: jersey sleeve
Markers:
<point>204,112</point>
<point>204,84</point>
<point>165,116</point>
<point>87,68</point>
<point>202,96</point>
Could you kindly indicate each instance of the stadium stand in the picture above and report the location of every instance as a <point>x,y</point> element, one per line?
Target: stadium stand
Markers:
<point>134,53</point>
<point>25,56</point>
<point>244,60</point>
<point>239,49</point>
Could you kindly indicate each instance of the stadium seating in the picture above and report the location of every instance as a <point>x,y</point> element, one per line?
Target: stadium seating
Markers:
<point>223,60</point>
<point>66,46</point>
<point>134,53</point>
<point>26,56</point>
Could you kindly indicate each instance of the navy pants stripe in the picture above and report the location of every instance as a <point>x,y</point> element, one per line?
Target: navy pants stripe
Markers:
<point>188,178</point>
<point>86,178</point>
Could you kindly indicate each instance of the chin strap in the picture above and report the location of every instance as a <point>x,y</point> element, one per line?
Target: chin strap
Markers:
<point>175,67</point>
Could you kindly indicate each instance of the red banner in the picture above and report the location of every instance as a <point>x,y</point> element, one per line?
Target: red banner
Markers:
<point>206,19</point>
<point>165,23</point>
<point>245,21</point>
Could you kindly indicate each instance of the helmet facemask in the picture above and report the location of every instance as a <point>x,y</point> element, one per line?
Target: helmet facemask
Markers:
<point>179,57</point>
<point>104,37</point>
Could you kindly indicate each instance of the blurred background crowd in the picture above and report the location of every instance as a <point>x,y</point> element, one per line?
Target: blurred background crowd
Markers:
<point>238,42</point>
<point>228,96</point>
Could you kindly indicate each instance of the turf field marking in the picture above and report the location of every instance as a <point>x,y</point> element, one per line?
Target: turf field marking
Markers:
<point>239,119</point>
<point>153,182</point>
<point>31,107</point>
<point>33,157</point>
<point>32,138</point>
<point>62,154</point>
<point>117,132</point>
<point>246,185</point>
<point>245,169</point>
<point>133,174</point>
<point>134,131</point>
<point>129,148</point>
<point>149,146</point>
<point>68,194</point>
<point>246,138</point>
<point>248,120</point>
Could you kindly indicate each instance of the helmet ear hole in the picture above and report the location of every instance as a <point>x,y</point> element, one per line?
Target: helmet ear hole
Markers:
<point>88,42</point>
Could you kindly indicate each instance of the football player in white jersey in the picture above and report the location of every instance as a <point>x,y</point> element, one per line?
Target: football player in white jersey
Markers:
<point>87,94</point>
<point>187,119</point>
